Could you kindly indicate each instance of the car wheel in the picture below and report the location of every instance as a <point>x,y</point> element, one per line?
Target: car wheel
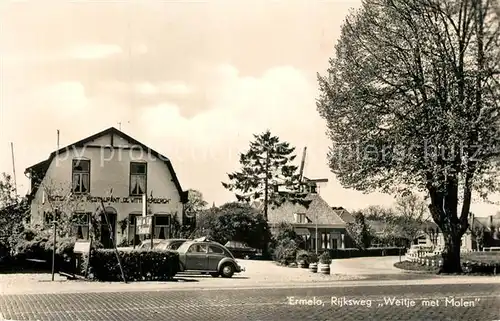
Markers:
<point>227,270</point>
<point>214,275</point>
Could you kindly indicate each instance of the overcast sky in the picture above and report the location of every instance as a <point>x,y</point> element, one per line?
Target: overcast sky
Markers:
<point>193,80</point>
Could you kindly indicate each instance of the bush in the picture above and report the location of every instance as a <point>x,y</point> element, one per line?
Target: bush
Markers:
<point>33,244</point>
<point>476,267</point>
<point>324,258</point>
<point>379,251</point>
<point>313,257</point>
<point>285,252</point>
<point>137,265</point>
<point>303,256</point>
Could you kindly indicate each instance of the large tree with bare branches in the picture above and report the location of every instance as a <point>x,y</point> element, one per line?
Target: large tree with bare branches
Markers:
<point>411,100</point>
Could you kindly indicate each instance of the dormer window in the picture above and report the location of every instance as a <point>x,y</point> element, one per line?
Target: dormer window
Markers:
<point>81,176</point>
<point>300,218</point>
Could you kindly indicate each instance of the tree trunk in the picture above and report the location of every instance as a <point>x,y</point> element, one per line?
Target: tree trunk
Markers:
<point>444,211</point>
<point>451,254</point>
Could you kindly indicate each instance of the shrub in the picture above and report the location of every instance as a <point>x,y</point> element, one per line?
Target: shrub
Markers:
<point>302,256</point>
<point>137,265</point>
<point>324,258</point>
<point>313,257</point>
<point>285,252</point>
<point>33,244</point>
<point>353,252</point>
<point>481,267</point>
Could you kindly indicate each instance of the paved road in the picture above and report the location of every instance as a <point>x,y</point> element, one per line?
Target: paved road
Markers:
<point>265,304</point>
<point>367,265</point>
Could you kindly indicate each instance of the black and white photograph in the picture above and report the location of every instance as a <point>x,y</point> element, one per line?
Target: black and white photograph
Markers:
<point>249,160</point>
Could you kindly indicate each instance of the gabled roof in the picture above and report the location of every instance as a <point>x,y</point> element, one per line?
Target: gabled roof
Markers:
<point>42,167</point>
<point>318,211</point>
<point>344,214</point>
<point>487,221</point>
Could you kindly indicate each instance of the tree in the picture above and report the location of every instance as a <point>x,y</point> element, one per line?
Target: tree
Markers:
<point>359,231</point>
<point>479,233</point>
<point>14,211</point>
<point>235,222</point>
<point>265,167</point>
<point>194,205</point>
<point>411,101</point>
<point>377,213</point>
<point>410,215</point>
<point>195,202</point>
<point>60,204</point>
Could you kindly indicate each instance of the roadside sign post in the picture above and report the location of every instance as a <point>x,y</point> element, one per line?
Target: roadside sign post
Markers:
<point>144,225</point>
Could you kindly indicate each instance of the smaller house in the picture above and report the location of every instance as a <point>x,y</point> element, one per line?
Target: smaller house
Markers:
<point>430,235</point>
<point>320,225</point>
<point>490,225</point>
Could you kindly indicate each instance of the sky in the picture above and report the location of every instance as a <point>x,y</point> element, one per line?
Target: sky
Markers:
<point>193,80</point>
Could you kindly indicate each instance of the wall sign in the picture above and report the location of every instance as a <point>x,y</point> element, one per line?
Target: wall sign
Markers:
<point>111,199</point>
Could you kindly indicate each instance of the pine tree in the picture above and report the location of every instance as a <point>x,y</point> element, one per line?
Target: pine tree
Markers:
<point>265,167</point>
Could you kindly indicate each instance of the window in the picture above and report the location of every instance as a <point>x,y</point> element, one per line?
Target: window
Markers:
<point>215,249</point>
<point>80,225</point>
<point>138,181</point>
<point>162,226</point>
<point>198,248</point>
<point>300,218</point>
<point>81,176</point>
<point>325,240</point>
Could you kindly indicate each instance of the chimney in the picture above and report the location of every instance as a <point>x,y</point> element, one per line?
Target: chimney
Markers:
<point>313,188</point>
<point>491,223</point>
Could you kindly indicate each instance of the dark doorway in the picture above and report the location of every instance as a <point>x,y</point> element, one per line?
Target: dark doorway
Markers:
<point>107,234</point>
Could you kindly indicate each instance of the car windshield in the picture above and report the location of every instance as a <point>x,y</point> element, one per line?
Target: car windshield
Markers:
<point>175,245</point>
<point>184,247</point>
<point>146,245</point>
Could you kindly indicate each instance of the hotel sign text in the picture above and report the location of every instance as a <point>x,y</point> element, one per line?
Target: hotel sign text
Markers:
<point>110,199</point>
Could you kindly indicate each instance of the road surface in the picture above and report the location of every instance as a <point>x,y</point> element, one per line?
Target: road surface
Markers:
<point>384,302</point>
<point>367,265</point>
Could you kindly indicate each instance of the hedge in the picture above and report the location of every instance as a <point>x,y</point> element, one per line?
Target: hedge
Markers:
<point>40,248</point>
<point>376,251</point>
<point>138,265</point>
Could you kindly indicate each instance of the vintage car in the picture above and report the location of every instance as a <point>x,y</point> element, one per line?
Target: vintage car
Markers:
<point>160,244</point>
<point>241,250</point>
<point>205,256</point>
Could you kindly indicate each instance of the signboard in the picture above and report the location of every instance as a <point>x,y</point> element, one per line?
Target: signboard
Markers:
<point>111,199</point>
<point>144,225</point>
<point>82,247</point>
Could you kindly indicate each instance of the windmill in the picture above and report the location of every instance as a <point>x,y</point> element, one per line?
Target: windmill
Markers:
<point>307,184</point>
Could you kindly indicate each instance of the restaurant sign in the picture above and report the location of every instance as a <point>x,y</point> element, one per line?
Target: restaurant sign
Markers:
<point>110,199</point>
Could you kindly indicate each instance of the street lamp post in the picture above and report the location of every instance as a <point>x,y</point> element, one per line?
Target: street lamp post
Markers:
<point>54,249</point>
<point>316,232</point>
